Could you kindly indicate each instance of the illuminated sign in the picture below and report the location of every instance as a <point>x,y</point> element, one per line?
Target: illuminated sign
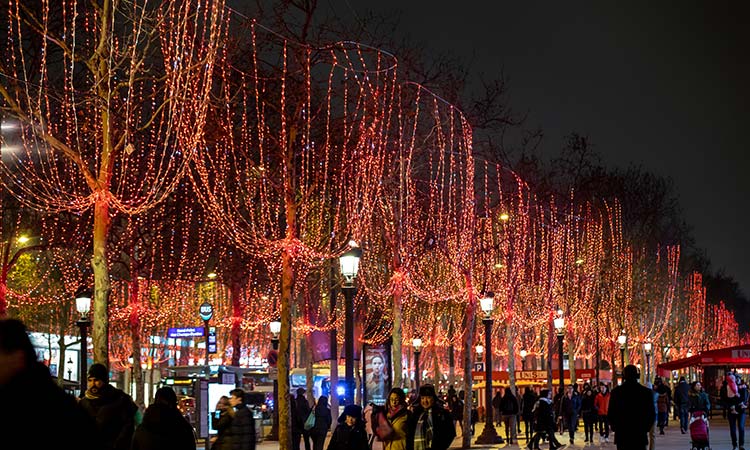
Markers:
<point>211,339</point>
<point>186,332</point>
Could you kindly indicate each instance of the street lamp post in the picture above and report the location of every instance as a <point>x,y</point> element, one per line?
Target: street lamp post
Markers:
<point>83,306</point>
<point>417,343</point>
<point>489,434</point>
<point>349,262</point>
<point>647,351</point>
<point>622,339</point>
<point>273,435</point>
<point>523,354</point>
<point>559,322</point>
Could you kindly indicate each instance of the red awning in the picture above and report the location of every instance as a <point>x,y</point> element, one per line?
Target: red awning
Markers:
<point>738,356</point>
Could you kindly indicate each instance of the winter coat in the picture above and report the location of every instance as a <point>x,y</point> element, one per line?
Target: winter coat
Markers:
<point>443,430</point>
<point>400,424</point>
<point>345,437</point>
<point>323,420</point>
<point>631,414</point>
<point>36,411</point>
<point>243,429</point>
<point>223,426</point>
<point>570,406</point>
<point>698,401</point>
<point>496,401</point>
<point>588,409</point>
<point>114,413</point>
<point>529,400</point>
<point>163,428</point>
<point>544,415</point>
<point>681,393</point>
<point>601,402</point>
<point>300,411</point>
<point>509,404</point>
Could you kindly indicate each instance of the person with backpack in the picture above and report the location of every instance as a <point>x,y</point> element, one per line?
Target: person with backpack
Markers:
<point>544,422</point>
<point>663,401</point>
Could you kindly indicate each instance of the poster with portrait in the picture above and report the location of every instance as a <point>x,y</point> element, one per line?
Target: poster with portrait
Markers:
<point>377,373</point>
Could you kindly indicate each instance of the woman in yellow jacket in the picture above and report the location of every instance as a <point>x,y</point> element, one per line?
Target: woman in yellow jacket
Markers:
<point>397,416</point>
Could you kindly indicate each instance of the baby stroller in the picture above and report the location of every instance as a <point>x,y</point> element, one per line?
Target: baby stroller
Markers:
<point>698,431</point>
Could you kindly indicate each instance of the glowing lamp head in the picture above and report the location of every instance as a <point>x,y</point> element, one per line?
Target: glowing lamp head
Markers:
<point>504,217</point>
<point>523,354</point>
<point>579,261</point>
<point>275,328</point>
<point>559,322</point>
<point>349,263</point>
<point>22,239</point>
<point>83,301</point>
<point>479,349</point>
<point>689,354</point>
<point>417,344</point>
<point>211,275</point>
<point>622,339</point>
<point>647,348</point>
<point>487,303</point>
<point>340,390</point>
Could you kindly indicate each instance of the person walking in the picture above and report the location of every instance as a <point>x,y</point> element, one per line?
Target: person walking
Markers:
<point>243,422</point>
<point>35,409</point>
<point>496,407</point>
<point>588,411</point>
<point>734,398</point>
<point>350,432</point>
<point>113,410</point>
<point>698,399</point>
<point>163,425</point>
<point>631,411</point>
<point>456,405</point>
<point>323,422</point>
<point>544,422</point>
<point>397,416</point>
<point>681,392</point>
<point>300,410</point>
<point>509,409</point>
<point>430,424</point>
<point>570,405</point>
<point>222,423</point>
<point>664,400</point>
<point>652,430</point>
<point>527,412</point>
<point>601,403</point>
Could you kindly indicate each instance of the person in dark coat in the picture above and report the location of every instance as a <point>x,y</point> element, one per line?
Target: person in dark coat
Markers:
<point>631,411</point>
<point>222,423</point>
<point>588,411</point>
<point>570,405</point>
<point>243,423</point>
<point>113,410</point>
<point>681,392</point>
<point>323,422</point>
<point>300,410</point>
<point>35,409</point>
<point>350,432</point>
<point>509,409</point>
<point>430,425</point>
<point>544,421</point>
<point>496,408</point>
<point>164,427</point>
<point>527,412</point>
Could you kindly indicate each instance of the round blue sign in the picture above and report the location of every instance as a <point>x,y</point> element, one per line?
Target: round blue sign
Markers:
<point>206,311</point>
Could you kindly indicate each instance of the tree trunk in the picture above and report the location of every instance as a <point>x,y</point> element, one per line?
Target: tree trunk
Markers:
<point>102,288</point>
<point>135,333</point>
<point>4,283</point>
<point>571,360</point>
<point>234,334</point>
<point>509,337</point>
<point>468,363</point>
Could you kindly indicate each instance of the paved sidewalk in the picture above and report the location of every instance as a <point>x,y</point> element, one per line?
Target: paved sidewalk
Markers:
<point>671,440</point>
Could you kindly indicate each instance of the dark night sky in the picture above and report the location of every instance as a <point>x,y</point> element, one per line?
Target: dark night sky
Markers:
<point>662,86</point>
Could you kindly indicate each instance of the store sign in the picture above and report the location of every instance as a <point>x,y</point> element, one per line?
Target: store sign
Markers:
<point>181,333</point>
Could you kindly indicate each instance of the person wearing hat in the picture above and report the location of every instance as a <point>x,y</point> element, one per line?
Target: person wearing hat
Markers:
<point>300,410</point>
<point>350,432</point>
<point>631,411</point>
<point>430,425</point>
<point>35,409</point>
<point>113,410</point>
<point>163,425</point>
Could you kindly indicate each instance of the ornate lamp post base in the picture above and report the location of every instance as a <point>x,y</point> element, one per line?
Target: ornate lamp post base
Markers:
<point>489,436</point>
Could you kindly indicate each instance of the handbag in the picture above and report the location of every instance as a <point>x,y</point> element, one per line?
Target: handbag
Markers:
<point>310,421</point>
<point>382,427</point>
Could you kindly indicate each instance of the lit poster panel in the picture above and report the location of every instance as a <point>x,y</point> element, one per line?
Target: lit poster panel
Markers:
<point>377,374</point>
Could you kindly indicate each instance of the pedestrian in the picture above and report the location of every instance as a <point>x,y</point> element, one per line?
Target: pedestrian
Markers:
<point>735,399</point>
<point>652,430</point>
<point>527,412</point>
<point>222,423</point>
<point>570,406</point>
<point>601,403</point>
<point>664,400</point>
<point>35,409</point>
<point>323,422</point>
<point>397,417</point>
<point>544,422</point>
<point>681,392</point>
<point>113,410</point>
<point>698,399</point>
<point>509,409</point>
<point>350,431</point>
<point>163,425</point>
<point>631,411</point>
<point>430,424</point>
<point>456,405</point>
<point>300,410</point>
<point>588,411</point>
<point>496,407</point>
<point>243,422</point>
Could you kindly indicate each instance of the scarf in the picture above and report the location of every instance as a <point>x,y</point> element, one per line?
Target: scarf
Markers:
<point>393,412</point>
<point>423,432</point>
<point>91,396</point>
